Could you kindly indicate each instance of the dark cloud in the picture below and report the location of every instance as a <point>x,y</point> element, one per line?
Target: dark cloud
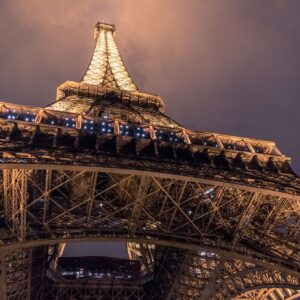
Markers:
<point>225,66</point>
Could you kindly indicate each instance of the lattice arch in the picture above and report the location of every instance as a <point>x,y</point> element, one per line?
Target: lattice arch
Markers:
<point>270,294</point>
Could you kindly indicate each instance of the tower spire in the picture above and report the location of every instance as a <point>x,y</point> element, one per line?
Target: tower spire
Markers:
<point>106,67</point>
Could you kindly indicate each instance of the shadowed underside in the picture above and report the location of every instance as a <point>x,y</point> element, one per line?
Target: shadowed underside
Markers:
<point>209,216</point>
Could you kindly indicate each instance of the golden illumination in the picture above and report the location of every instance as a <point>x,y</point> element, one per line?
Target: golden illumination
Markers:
<point>106,67</point>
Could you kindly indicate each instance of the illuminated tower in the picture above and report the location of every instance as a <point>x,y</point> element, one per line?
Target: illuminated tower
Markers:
<point>208,216</point>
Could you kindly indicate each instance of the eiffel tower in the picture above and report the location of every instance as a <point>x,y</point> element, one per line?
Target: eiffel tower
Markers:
<point>205,215</point>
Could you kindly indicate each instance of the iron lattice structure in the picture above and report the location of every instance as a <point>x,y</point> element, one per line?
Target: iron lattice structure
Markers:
<point>210,216</point>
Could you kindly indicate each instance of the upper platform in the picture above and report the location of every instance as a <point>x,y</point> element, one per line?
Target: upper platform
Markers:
<point>106,67</point>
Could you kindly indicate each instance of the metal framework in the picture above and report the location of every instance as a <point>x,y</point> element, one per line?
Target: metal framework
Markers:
<point>210,216</point>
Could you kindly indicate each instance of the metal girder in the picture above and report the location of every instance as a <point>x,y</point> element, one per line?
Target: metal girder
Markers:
<point>77,290</point>
<point>230,206</point>
<point>22,274</point>
<point>204,275</point>
<point>88,203</point>
<point>270,294</point>
<point>15,200</point>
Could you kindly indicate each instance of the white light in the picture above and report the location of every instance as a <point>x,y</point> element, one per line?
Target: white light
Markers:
<point>209,191</point>
<point>85,127</point>
<point>52,122</point>
<point>73,125</point>
<point>32,119</point>
<point>103,129</point>
<point>67,124</point>
<point>27,119</point>
<point>92,128</point>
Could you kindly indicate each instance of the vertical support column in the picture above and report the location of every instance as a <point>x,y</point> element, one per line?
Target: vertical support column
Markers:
<point>29,273</point>
<point>48,178</point>
<point>15,200</point>
<point>138,204</point>
<point>2,277</point>
<point>15,274</point>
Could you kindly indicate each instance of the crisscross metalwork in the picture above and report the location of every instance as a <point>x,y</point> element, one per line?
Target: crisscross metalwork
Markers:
<point>208,216</point>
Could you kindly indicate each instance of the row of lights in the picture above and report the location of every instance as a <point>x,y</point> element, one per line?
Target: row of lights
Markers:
<point>125,130</point>
<point>82,274</point>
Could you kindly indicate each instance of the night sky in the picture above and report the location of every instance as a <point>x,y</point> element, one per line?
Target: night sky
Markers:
<point>225,66</point>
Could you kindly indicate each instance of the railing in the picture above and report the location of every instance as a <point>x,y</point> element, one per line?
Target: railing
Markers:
<point>108,126</point>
